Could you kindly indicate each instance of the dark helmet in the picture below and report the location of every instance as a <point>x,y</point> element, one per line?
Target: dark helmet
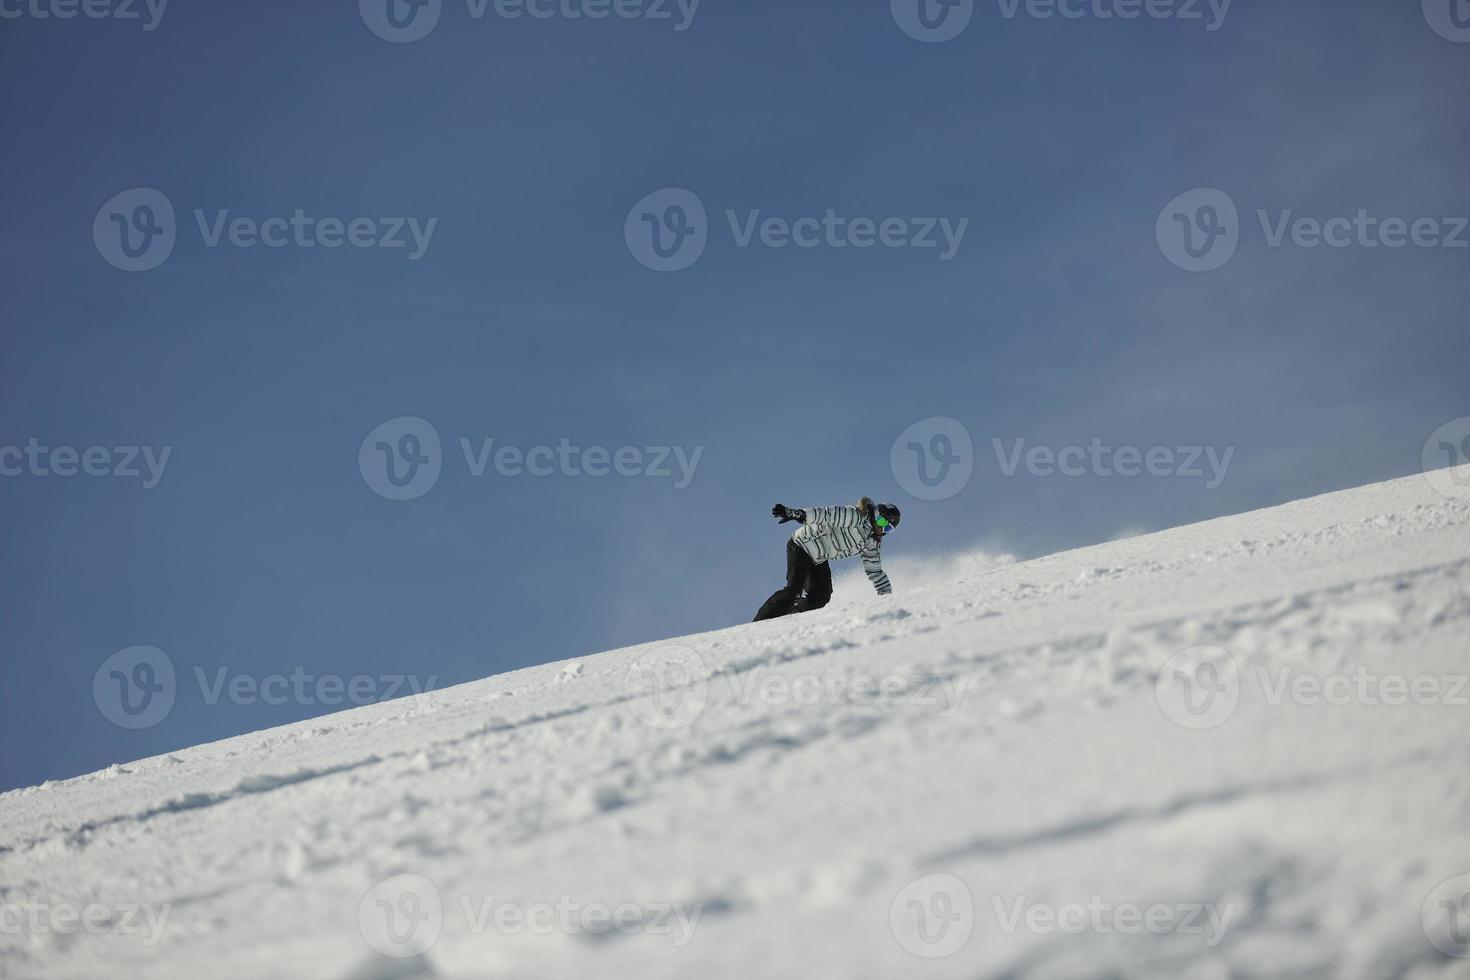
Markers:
<point>890,515</point>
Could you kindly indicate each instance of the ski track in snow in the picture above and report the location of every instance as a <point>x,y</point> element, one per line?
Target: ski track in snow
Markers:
<point>1045,772</point>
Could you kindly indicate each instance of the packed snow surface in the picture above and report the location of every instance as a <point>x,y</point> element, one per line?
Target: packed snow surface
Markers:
<point>1233,749</point>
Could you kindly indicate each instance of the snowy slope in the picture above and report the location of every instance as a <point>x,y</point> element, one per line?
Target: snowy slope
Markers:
<point>1032,795</point>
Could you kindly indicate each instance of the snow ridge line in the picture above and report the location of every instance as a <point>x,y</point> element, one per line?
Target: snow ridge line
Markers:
<point>1073,646</point>
<point>249,786</point>
<point>1290,602</point>
<point>988,846</point>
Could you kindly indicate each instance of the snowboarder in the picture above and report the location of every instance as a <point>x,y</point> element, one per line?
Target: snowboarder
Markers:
<point>828,533</point>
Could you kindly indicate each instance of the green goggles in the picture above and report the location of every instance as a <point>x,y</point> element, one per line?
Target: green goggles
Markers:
<point>883,524</point>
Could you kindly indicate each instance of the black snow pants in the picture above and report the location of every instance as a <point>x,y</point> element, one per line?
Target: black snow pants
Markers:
<point>808,585</point>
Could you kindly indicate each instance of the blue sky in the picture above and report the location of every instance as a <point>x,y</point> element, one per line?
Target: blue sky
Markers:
<point>263,550</point>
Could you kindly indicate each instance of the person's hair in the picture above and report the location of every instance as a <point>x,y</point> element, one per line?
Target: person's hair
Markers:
<point>870,511</point>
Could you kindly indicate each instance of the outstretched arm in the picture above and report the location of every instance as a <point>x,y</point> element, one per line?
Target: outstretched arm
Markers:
<point>783,514</point>
<point>873,566</point>
<point>836,516</point>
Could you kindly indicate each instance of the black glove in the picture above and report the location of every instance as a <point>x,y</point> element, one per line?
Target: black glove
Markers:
<point>788,514</point>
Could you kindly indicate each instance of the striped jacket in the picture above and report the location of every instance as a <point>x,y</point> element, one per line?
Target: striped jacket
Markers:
<point>842,532</point>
